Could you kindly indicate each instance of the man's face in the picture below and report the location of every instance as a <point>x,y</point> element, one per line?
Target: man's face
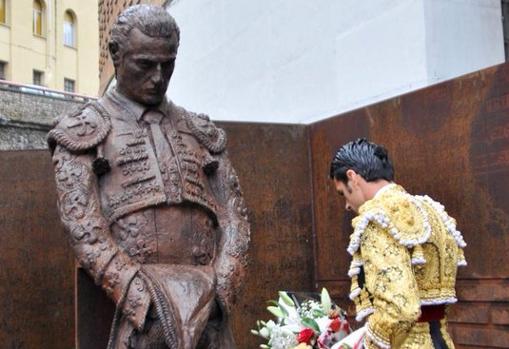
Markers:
<point>145,67</point>
<point>351,192</point>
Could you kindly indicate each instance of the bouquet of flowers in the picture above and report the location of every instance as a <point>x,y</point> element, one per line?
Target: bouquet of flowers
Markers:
<point>310,324</point>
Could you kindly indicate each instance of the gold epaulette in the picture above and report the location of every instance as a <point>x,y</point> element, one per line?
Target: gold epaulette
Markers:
<point>406,218</point>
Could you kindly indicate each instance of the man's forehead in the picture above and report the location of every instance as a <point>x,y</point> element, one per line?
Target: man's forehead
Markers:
<point>153,55</point>
<point>339,185</point>
<point>139,41</point>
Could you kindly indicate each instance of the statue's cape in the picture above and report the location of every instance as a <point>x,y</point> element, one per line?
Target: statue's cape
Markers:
<point>183,297</point>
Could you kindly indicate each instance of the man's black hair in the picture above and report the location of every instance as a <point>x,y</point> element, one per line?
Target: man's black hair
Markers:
<point>367,159</point>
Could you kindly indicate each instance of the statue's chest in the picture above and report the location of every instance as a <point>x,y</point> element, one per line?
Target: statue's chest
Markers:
<point>149,168</point>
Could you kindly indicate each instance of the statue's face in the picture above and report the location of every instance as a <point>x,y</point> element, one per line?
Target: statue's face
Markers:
<point>144,70</point>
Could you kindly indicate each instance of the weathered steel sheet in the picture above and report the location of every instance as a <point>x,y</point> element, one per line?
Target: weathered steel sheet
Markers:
<point>450,141</point>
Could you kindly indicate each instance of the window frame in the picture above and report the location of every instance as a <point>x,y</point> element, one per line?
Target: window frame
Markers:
<point>5,14</point>
<point>70,81</point>
<point>3,70</point>
<point>73,28</point>
<point>41,75</point>
<point>41,16</point>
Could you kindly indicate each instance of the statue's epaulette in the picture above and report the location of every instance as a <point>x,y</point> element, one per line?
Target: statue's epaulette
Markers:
<point>208,134</point>
<point>81,129</point>
<point>401,214</point>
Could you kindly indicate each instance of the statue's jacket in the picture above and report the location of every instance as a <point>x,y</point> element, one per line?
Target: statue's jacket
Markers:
<point>406,251</point>
<point>138,212</point>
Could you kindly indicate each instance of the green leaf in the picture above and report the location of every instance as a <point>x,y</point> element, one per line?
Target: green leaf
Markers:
<point>276,311</point>
<point>273,302</point>
<point>288,301</point>
<point>285,312</point>
<point>326,301</point>
<point>311,324</point>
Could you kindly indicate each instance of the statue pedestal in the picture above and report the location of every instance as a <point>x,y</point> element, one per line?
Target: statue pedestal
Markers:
<point>94,313</point>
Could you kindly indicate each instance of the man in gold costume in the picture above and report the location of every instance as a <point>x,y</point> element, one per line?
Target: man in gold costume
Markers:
<point>405,250</point>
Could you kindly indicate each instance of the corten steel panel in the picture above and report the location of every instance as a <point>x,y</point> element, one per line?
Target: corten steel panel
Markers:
<point>273,168</point>
<point>36,267</point>
<point>94,313</point>
<point>450,141</point>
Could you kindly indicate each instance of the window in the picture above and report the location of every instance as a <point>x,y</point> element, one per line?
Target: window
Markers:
<point>3,11</point>
<point>38,18</point>
<point>38,78</point>
<point>3,69</point>
<point>69,29</point>
<point>69,85</point>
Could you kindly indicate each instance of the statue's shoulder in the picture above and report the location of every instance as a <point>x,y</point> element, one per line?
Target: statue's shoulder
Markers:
<point>207,133</point>
<point>82,129</point>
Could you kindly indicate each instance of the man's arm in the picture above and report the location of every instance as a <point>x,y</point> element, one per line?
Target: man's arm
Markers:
<point>391,282</point>
<point>231,260</point>
<point>89,235</point>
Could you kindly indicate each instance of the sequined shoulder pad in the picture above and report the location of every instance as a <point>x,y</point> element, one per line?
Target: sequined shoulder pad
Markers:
<point>401,214</point>
<point>81,129</point>
<point>209,135</point>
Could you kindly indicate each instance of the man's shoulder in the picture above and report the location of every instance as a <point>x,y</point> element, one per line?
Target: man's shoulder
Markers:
<point>200,125</point>
<point>81,129</point>
<point>398,213</point>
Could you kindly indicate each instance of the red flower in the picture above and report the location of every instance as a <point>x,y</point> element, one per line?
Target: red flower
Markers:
<point>305,336</point>
<point>335,325</point>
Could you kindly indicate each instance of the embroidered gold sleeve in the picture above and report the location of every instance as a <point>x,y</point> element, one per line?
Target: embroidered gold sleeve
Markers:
<point>390,281</point>
<point>232,258</point>
<point>89,235</point>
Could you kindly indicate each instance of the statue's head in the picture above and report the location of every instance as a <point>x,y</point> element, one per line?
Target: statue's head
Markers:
<point>143,45</point>
<point>354,166</point>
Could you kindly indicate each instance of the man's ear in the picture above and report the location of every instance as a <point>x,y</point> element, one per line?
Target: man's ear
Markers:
<point>114,52</point>
<point>353,177</point>
<point>350,174</point>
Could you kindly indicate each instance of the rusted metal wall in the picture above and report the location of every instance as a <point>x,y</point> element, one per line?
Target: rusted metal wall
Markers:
<point>37,267</point>
<point>450,141</point>
<point>273,168</point>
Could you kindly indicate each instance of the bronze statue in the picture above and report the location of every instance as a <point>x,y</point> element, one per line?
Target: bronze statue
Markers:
<point>150,201</point>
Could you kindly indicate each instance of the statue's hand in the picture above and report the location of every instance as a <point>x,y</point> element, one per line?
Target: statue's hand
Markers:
<point>152,335</point>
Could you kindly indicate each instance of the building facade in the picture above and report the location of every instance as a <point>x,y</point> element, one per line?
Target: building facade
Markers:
<point>51,43</point>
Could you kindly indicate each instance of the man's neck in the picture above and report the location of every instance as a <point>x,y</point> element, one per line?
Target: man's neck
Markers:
<point>374,188</point>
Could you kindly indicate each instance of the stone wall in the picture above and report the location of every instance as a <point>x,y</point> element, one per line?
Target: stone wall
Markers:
<point>27,112</point>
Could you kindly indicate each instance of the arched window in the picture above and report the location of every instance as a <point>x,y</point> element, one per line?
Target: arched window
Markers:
<point>3,11</point>
<point>69,29</point>
<point>38,17</point>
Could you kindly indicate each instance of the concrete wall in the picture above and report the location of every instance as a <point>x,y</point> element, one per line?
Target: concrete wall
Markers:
<point>300,61</point>
<point>23,51</point>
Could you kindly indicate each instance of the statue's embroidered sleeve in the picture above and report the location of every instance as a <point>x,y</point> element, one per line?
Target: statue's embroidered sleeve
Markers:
<point>89,235</point>
<point>231,261</point>
<point>390,281</point>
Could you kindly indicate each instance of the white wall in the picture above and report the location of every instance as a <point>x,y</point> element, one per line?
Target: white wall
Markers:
<point>300,61</point>
<point>462,36</point>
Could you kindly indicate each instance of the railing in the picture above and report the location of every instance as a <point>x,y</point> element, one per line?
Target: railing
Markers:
<point>44,91</point>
